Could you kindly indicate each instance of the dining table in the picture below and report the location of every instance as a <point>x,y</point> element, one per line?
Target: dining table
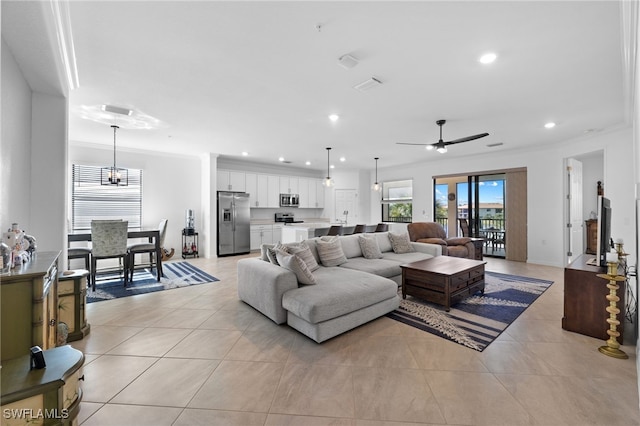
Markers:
<point>152,234</point>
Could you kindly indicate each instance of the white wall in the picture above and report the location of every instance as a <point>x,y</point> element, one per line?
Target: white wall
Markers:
<point>545,187</point>
<point>15,146</point>
<point>171,185</point>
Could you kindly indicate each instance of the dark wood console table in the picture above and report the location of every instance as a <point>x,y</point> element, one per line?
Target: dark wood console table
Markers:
<point>584,300</point>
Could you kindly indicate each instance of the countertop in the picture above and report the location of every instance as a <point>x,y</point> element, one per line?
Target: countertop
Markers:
<point>312,220</point>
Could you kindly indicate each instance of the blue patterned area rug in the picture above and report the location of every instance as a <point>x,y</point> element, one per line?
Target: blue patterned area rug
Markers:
<point>476,321</point>
<point>176,274</point>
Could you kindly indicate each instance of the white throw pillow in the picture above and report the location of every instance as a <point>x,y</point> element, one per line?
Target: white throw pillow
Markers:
<point>400,243</point>
<point>303,250</point>
<point>369,247</point>
<point>295,264</point>
<point>271,252</point>
<point>330,251</point>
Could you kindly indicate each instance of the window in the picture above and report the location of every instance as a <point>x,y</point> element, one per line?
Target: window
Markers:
<point>397,201</point>
<point>91,200</point>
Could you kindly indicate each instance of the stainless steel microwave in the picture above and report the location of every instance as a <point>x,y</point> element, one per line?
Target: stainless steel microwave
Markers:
<point>289,200</point>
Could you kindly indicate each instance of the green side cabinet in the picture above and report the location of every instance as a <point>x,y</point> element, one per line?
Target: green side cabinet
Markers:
<point>72,302</point>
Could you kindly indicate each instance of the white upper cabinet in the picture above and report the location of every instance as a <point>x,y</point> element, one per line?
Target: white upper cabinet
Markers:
<point>228,180</point>
<point>303,191</point>
<point>289,185</point>
<point>273,191</point>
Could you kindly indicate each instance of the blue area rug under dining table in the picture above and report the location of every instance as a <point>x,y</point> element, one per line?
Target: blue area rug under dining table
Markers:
<point>176,274</point>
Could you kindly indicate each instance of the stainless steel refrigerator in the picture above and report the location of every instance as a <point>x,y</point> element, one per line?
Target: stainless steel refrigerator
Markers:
<point>233,223</point>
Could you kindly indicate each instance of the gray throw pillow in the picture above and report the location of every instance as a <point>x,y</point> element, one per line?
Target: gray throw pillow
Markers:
<point>295,264</point>
<point>369,247</point>
<point>303,250</point>
<point>330,251</point>
<point>271,253</point>
<point>264,250</point>
<point>400,243</point>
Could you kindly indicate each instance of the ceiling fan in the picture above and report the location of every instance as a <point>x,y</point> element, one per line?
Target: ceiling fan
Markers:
<point>441,146</point>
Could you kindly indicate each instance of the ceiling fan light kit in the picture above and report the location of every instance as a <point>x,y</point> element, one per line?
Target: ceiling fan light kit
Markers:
<point>441,145</point>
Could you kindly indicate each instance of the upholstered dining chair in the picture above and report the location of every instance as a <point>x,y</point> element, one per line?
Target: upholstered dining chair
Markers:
<point>150,248</point>
<point>347,230</point>
<point>370,228</point>
<point>108,241</point>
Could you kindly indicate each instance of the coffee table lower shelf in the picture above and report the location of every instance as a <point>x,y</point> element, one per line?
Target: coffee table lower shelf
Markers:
<point>443,280</point>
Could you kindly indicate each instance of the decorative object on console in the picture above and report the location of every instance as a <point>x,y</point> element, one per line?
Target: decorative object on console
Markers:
<point>21,246</point>
<point>376,186</point>
<point>328,182</point>
<point>114,175</point>
<point>612,348</point>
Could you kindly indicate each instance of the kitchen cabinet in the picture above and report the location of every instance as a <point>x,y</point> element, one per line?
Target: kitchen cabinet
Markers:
<point>260,234</point>
<point>229,180</point>
<point>277,233</point>
<point>29,305</point>
<point>319,196</point>
<point>289,185</point>
<point>303,186</point>
<point>273,191</point>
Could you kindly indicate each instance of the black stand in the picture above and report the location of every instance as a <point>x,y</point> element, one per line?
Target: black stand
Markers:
<point>189,243</point>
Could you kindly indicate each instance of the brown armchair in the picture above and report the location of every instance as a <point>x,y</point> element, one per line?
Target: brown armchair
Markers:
<point>432,232</point>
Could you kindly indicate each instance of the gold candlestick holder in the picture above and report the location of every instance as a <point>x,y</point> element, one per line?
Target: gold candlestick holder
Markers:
<point>612,348</point>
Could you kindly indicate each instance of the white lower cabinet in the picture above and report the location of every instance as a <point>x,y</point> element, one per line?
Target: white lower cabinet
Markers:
<point>260,234</point>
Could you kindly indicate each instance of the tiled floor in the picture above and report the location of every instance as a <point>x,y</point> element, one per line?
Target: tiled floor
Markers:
<point>199,356</point>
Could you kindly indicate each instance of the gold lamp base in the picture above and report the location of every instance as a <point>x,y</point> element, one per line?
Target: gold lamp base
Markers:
<point>613,352</point>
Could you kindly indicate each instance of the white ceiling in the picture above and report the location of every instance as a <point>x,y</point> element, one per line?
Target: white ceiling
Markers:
<point>261,77</point>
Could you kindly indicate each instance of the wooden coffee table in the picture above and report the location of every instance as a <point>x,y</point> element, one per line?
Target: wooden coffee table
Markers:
<point>443,279</point>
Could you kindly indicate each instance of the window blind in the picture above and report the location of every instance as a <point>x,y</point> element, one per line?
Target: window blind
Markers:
<point>90,200</point>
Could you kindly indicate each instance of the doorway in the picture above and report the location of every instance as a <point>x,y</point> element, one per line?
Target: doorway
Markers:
<point>493,205</point>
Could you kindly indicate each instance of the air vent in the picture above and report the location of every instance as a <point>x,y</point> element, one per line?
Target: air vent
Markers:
<point>347,61</point>
<point>367,85</point>
<point>116,110</point>
<point>491,145</point>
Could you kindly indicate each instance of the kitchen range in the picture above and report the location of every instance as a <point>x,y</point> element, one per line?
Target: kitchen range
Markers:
<point>286,218</point>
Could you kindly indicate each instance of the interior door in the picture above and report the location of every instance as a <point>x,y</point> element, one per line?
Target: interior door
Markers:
<point>346,205</point>
<point>575,230</point>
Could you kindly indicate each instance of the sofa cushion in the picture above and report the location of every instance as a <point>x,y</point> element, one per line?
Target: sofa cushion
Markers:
<point>383,241</point>
<point>406,257</point>
<point>351,246</point>
<point>369,246</point>
<point>303,250</point>
<point>295,264</point>
<point>330,251</point>
<point>381,267</point>
<point>400,243</point>
<point>339,291</point>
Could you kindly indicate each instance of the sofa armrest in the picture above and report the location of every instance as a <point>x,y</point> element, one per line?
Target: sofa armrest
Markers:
<point>432,249</point>
<point>262,284</point>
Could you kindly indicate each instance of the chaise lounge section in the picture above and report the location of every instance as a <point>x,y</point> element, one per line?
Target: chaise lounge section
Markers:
<point>352,291</point>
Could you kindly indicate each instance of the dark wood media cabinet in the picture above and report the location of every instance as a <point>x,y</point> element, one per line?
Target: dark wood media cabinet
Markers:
<point>584,300</point>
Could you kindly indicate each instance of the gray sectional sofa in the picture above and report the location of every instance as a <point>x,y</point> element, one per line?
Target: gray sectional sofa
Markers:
<point>343,297</point>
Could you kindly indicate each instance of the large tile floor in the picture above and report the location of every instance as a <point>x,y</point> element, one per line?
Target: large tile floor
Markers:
<point>199,356</point>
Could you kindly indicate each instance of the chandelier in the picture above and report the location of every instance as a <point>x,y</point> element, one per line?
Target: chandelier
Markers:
<point>114,176</point>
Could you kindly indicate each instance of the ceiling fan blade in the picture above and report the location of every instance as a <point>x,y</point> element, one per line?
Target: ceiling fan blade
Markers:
<point>467,139</point>
<point>406,143</point>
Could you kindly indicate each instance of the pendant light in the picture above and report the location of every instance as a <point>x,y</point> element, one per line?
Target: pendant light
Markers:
<point>376,186</point>
<point>328,182</point>
<point>114,176</point>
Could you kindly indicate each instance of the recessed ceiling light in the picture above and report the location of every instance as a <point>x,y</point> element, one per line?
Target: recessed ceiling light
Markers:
<point>308,163</point>
<point>343,159</point>
<point>333,167</point>
<point>245,153</point>
<point>281,159</point>
<point>334,117</point>
<point>488,58</point>
<point>550,125</point>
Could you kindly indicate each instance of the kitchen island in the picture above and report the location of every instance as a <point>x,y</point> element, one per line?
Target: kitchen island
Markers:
<point>296,232</point>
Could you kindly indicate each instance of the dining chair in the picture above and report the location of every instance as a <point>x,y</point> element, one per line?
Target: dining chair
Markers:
<point>335,230</point>
<point>149,248</point>
<point>464,227</point>
<point>347,230</point>
<point>108,241</point>
<point>382,227</point>
<point>370,228</point>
